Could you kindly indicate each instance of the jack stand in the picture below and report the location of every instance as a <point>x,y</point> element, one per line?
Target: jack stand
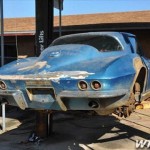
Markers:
<point>3,117</point>
<point>44,123</point>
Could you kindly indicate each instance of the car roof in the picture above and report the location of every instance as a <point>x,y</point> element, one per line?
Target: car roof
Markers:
<point>113,34</point>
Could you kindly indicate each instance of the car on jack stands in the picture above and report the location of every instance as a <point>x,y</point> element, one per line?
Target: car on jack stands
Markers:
<point>100,71</point>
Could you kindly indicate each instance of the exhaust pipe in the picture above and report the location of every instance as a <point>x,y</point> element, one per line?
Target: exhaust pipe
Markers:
<point>93,104</point>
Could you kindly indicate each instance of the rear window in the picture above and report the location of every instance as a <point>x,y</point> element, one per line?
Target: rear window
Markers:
<point>100,42</point>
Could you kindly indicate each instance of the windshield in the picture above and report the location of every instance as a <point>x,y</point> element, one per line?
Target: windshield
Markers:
<point>100,42</point>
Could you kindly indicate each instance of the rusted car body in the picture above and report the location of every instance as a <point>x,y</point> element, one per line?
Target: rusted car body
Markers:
<point>100,71</point>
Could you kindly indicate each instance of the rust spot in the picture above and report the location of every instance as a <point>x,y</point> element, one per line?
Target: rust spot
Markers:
<point>137,64</point>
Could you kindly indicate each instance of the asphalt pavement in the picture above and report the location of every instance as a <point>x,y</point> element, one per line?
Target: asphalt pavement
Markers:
<point>76,130</point>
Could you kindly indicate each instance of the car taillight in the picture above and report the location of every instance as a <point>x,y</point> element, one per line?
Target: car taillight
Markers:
<point>2,85</point>
<point>96,85</point>
<point>82,85</point>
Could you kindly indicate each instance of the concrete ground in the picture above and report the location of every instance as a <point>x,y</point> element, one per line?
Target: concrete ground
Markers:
<point>76,131</point>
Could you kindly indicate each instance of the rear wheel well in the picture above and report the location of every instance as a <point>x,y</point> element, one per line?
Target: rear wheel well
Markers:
<point>141,78</point>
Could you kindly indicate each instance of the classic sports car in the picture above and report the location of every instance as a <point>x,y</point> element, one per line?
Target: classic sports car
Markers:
<point>100,71</point>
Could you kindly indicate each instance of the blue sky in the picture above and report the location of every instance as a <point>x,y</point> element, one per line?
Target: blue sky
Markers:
<point>26,8</point>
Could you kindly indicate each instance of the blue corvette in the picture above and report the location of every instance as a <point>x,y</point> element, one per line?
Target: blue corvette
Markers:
<point>100,71</point>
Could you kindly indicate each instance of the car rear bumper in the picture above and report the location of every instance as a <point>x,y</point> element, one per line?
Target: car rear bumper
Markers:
<point>81,99</point>
<point>68,100</point>
<point>13,97</point>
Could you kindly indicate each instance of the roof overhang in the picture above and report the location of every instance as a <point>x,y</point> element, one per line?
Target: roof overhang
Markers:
<point>106,26</point>
<point>90,27</point>
<point>28,33</point>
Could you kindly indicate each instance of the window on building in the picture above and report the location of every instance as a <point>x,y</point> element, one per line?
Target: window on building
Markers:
<point>10,53</point>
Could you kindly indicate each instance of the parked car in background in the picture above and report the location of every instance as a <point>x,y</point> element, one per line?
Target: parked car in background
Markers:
<point>100,71</point>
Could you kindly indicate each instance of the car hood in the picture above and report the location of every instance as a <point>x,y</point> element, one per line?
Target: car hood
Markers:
<point>73,60</point>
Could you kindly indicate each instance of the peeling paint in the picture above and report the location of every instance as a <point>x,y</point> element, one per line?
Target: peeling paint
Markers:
<point>137,63</point>
<point>48,66</point>
<point>48,76</point>
<point>38,65</point>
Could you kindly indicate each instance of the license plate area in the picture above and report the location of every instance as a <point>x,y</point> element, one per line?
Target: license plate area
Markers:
<point>41,94</point>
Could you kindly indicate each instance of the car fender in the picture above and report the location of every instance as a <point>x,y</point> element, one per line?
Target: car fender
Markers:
<point>139,68</point>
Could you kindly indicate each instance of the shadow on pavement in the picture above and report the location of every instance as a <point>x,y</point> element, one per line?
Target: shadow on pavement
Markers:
<point>72,131</point>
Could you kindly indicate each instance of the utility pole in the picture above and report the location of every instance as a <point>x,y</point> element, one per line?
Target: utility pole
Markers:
<point>2,32</point>
<point>44,24</point>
